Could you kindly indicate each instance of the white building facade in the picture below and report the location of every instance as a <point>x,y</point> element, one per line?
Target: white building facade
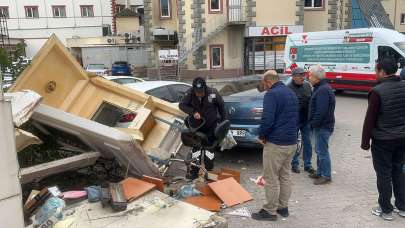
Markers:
<point>36,20</point>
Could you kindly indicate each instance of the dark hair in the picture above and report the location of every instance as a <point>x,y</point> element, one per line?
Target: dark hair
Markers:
<point>388,65</point>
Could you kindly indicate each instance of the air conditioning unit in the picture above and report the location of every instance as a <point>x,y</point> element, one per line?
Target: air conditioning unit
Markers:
<point>111,40</point>
<point>127,35</point>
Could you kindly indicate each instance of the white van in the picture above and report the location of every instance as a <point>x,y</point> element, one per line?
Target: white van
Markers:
<point>348,56</point>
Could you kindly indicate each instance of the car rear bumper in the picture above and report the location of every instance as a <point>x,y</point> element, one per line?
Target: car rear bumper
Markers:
<point>250,140</point>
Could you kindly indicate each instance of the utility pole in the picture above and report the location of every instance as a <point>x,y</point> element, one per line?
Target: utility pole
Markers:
<point>395,14</point>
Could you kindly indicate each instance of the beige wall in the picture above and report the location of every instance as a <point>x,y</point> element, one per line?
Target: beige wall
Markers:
<point>268,14</point>
<point>232,41</point>
<point>390,6</point>
<point>127,24</point>
<point>317,19</point>
<point>170,23</point>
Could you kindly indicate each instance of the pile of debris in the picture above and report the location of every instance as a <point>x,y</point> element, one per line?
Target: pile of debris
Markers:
<point>100,119</point>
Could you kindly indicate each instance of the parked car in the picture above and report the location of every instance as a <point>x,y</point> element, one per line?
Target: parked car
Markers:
<point>7,80</point>
<point>170,91</point>
<point>97,68</point>
<point>245,112</point>
<point>121,68</point>
<point>123,80</point>
<point>166,90</point>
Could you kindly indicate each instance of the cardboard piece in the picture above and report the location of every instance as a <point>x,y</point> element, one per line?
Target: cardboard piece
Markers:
<point>210,203</point>
<point>235,174</point>
<point>156,181</point>
<point>135,188</point>
<point>230,192</point>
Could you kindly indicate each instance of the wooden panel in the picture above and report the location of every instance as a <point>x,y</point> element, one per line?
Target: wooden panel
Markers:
<point>158,182</point>
<point>135,188</point>
<point>72,163</point>
<point>210,203</point>
<point>230,192</point>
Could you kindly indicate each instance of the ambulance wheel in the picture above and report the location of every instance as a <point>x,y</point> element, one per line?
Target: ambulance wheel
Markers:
<point>338,91</point>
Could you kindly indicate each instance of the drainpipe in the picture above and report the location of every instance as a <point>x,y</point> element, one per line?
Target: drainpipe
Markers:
<point>395,14</point>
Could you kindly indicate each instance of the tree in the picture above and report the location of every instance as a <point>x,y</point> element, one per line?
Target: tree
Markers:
<point>4,59</point>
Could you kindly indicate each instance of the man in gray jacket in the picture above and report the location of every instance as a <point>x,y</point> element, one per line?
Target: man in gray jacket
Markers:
<point>303,90</point>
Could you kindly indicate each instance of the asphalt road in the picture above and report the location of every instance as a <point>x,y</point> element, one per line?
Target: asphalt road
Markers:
<point>346,202</point>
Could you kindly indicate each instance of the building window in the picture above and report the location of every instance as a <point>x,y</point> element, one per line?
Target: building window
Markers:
<point>119,8</point>
<point>59,11</point>
<point>215,6</point>
<point>31,12</point>
<point>4,11</point>
<point>165,9</point>
<point>134,8</point>
<point>313,4</point>
<point>217,56</point>
<point>402,18</point>
<point>87,11</point>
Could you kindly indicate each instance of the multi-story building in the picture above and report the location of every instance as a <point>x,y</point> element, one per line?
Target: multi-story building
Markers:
<point>220,38</point>
<point>396,12</point>
<point>35,20</point>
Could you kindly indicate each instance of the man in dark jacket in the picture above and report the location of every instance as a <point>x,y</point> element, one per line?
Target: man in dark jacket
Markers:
<point>384,124</point>
<point>322,121</point>
<point>203,103</point>
<point>303,91</point>
<point>278,135</point>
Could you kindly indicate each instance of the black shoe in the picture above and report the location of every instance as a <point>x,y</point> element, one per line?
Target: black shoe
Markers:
<point>263,215</point>
<point>322,181</point>
<point>295,169</point>
<point>310,170</point>
<point>314,176</point>
<point>283,212</point>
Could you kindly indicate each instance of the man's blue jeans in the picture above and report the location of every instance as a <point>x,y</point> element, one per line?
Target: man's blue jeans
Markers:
<point>307,147</point>
<point>322,150</point>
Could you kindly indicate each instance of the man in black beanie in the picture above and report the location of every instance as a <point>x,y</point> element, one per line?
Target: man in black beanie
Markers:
<point>203,102</point>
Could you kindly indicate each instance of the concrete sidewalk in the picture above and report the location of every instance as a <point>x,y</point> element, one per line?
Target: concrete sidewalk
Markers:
<point>347,202</point>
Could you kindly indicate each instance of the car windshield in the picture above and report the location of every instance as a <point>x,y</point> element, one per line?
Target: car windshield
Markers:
<point>401,46</point>
<point>96,66</point>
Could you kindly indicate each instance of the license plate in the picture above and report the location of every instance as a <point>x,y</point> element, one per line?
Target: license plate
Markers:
<point>239,133</point>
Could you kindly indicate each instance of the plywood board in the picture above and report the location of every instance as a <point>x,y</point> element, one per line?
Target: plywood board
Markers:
<point>156,181</point>
<point>135,188</point>
<point>230,192</point>
<point>210,203</point>
<point>72,163</point>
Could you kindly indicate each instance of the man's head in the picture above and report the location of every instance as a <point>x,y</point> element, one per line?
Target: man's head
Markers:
<point>298,76</point>
<point>385,67</point>
<point>269,79</point>
<point>199,87</point>
<point>316,74</point>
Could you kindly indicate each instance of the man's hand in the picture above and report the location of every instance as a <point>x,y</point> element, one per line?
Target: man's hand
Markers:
<point>262,141</point>
<point>365,147</point>
<point>197,116</point>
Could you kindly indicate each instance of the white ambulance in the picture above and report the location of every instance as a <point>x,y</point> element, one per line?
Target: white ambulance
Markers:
<point>348,56</point>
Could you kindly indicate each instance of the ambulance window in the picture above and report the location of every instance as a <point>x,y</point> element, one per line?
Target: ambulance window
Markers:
<point>386,51</point>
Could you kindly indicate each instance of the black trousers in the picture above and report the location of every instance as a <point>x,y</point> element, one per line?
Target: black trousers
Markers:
<point>209,157</point>
<point>389,165</point>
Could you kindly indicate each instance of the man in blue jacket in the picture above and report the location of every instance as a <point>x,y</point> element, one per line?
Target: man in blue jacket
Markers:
<point>278,135</point>
<point>322,121</point>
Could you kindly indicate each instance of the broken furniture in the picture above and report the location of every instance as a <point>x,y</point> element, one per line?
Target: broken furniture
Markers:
<point>93,110</point>
<point>192,137</point>
<point>230,192</point>
<point>153,210</point>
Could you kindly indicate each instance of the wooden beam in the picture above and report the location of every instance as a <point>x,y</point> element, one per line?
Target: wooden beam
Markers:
<point>72,163</point>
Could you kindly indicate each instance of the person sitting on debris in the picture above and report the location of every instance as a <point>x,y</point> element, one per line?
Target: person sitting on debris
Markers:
<point>203,103</point>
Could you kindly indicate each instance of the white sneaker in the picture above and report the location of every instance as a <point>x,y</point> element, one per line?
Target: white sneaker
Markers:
<point>378,212</point>
<point>401,213</point>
